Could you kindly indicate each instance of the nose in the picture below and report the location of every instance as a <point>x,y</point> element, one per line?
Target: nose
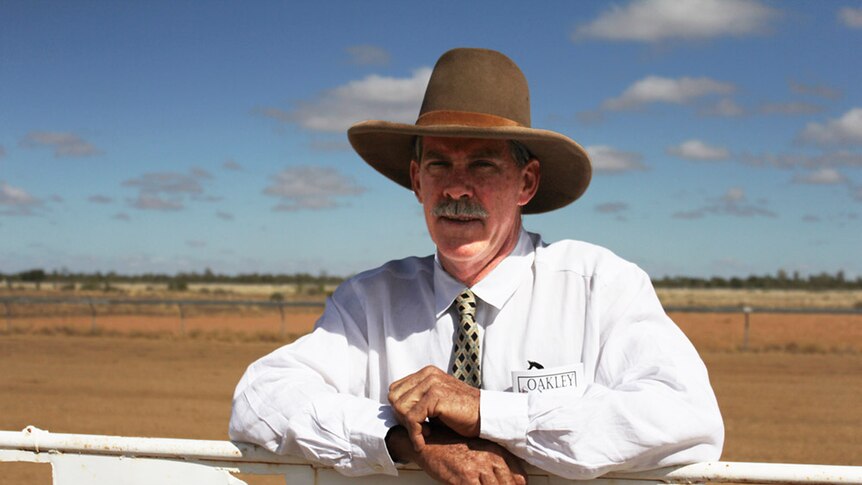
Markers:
<point>458,185</point>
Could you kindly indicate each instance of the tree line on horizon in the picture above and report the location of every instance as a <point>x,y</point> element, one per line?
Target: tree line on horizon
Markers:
<point>780,280</point>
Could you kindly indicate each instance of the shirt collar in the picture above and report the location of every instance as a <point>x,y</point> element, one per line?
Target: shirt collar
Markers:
<point>496,287</point>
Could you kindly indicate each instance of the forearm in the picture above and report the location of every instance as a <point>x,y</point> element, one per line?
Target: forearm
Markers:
<point>605,430</point>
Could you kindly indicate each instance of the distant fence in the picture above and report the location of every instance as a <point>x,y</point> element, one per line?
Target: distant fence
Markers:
<point>92,459</point>
<point>748,310</point>
<point>181,306</point>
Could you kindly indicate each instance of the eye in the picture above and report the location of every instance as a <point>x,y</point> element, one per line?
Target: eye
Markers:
<point>484,164</point>
<point>436,164</point>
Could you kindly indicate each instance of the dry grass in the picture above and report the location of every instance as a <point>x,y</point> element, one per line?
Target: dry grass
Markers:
<point>694,297</point>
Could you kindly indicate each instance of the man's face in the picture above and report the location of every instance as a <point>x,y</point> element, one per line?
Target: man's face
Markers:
<point>471,191</point>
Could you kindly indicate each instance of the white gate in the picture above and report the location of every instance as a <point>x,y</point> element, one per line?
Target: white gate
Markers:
<point>92,459</point>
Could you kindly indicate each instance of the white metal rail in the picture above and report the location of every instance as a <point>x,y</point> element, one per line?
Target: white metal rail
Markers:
<point>87,459</point>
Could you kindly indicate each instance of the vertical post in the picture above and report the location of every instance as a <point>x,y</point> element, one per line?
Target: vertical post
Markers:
<point>8,317</point>
<point>281,311</point>
<point>182,320</point>
<point>747,311</point>
<point>92,315</point>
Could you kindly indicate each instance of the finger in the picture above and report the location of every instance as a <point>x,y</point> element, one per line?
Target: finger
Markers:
<point>489,478</point>
<point>516,469</point>
<point>412,384</point>
<point>504,475</point>
<point>418,403</point>
<point>416,432</point>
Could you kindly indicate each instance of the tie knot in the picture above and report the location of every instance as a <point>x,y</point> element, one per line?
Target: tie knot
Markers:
<point>466,303</point>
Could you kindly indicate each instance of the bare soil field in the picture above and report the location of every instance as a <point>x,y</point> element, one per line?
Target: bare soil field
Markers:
<point>806,333</point>
<point>795,399</point>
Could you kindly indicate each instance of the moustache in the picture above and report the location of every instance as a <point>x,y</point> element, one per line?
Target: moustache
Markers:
<point>459,208</point>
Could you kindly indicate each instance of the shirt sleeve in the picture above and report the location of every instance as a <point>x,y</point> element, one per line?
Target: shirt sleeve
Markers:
<point>650,404</point>
<point>304,399</point>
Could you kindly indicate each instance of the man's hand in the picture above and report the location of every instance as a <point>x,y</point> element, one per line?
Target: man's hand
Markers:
<point>450,458</point>
<point>432,393</point>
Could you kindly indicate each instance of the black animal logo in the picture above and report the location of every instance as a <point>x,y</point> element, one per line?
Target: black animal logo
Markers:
<point>534,365</point>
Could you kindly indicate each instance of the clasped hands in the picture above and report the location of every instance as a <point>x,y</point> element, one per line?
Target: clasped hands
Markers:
<point>440,419</point>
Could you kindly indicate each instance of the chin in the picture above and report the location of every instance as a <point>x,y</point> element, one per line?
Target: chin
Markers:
<point>462,251</point>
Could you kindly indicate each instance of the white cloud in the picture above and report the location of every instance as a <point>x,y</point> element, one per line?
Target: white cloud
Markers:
<point>724,107</point>
<point>851,17</point>
<point>733,203</point>
<point>99,199</point>
<point>201,173</point>
<point>167,182</point>
<point>612,207</point>
<point>822,176</point>
<point>815,90</point>
<point>838,158</point>
<point>311,188</point>
<point>231,164</point>
<point>64,144</point>
<point>698,150</point>
<point>166,191</point>
<point>655,89</point>
<point>368,55</point>
<point>374,97</point>
<point>156,203</point>
<point>845,130</point>
<point>657,20</point>
<point>790,108</point>
<point>15,201</point>
<point>734,194</point>
<point>610,160</point>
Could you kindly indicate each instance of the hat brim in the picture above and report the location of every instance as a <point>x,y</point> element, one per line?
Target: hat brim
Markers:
<point>565,165</point>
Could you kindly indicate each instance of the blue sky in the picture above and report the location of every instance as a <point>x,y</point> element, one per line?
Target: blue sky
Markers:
<point>176,136</point>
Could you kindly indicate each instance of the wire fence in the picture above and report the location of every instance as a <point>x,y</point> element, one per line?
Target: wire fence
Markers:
<point>101,307</point>
<point>99,310</point>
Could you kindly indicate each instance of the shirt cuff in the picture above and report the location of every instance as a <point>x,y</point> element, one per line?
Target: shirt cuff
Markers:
<point>369,439</point>
<point>503,417</point>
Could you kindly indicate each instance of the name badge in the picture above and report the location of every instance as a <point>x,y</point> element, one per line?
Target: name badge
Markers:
<point>565,379</point>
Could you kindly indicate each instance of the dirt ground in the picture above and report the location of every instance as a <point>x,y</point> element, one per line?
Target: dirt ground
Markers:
<point>795,400</point>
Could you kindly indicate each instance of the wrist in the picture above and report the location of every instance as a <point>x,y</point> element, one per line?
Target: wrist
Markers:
<point>398,445</point>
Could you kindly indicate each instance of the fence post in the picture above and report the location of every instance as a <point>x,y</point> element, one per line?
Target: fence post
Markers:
<point>92,315</point>
<point>182,320</point>
<point>747,311</point>
<point>281,311</point>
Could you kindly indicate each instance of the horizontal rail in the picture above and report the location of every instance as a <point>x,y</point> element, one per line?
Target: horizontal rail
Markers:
<point>35,440</point>
<point>750,309</point>
<point>154,301</point>
<point>318,304</point>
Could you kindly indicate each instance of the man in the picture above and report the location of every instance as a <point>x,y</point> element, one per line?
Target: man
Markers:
<point>499,348</point>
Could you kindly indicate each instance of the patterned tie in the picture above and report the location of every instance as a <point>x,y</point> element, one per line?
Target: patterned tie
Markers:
<point>466,365</point>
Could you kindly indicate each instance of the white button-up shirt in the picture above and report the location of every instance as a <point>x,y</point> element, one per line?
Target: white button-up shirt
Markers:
<point>643,400</point>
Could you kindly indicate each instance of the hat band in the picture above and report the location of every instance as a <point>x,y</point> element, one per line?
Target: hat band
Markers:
<point>463,118</point>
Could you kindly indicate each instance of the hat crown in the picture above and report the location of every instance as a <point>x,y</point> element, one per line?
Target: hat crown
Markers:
<point>478,81</point>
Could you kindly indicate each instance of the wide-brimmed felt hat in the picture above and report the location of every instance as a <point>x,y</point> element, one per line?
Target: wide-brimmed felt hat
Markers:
<point>478,93</point>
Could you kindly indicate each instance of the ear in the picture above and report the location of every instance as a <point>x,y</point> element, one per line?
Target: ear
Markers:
<point>414,180</point>
<point>531,174</point>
